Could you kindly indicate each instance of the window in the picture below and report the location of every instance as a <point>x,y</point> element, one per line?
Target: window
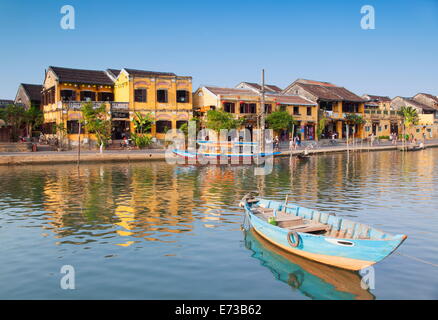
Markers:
<point>162,126</point>
<point>88,96</point>
<point>182,96</point>
<point>282,108</point>
<point>105,96</point>
<point>350,107</point>
<point>179,123</point>
<point>162,96</point>
<point>73,127</point>
<point>68,95</point>
<point>309,111</point>
<point>268,108</point>
<point>297,111</point>
<point>140,95</point>
<point>247,108</point>
<point>229,107</point>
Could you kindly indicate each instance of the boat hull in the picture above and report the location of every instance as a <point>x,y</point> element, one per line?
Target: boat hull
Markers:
<point>212,158</point>
<point>351,254</point>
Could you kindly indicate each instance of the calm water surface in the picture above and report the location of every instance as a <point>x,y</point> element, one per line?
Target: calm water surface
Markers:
<point>156,231</point>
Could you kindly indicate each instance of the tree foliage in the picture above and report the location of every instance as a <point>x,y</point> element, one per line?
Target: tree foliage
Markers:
<point>353,118</point>
<point>410,116</point>
<point>219,119</point>
<point>95,121</point>
<point>14,116</point>
<point>280,120</point>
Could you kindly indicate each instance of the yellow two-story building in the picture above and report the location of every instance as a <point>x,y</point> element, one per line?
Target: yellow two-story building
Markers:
<point>166,97</point>
<point>64,91</point>
<point>246,104</point>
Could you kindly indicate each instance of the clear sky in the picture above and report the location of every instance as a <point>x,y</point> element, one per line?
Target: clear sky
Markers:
<point>225,42</point>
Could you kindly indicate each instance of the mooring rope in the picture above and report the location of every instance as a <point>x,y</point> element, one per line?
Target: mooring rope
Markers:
<point>418,259</point>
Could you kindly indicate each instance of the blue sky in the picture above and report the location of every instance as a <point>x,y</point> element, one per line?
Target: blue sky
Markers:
<point>225,42</point>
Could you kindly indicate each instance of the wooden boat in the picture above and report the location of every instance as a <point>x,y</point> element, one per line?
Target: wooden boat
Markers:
<point>319,236</point>
<point>223,152</point>
<point>412,148</point>
<point>313,279</point>
<point>303,156</point>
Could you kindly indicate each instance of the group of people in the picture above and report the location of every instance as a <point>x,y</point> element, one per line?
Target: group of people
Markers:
<point>294,143</point>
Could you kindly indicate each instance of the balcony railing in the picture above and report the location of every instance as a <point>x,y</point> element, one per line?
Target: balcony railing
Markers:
<point>76,105</point>
<point>119,105</point>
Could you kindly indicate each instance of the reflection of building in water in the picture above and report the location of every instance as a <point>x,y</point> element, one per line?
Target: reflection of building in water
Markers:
<point>143,201</point>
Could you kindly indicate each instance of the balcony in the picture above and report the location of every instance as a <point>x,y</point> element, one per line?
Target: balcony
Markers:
<point>120,106</point>
<point>76,105</point>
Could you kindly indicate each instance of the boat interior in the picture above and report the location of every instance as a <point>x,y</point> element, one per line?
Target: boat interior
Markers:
<point>304,220</point>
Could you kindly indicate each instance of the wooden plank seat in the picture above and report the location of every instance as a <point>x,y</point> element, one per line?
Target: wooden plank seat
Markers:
<point>310,226</point>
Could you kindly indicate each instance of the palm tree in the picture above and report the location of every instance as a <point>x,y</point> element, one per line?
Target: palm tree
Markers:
<point>410,118</point>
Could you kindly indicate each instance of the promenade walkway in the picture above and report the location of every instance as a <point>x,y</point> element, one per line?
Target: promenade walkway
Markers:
<point>87,156</point>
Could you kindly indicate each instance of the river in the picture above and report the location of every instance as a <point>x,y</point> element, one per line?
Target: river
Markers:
<point>157,231</point>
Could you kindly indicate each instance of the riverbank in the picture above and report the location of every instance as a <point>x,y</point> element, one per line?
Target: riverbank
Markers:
<point>53,157</point>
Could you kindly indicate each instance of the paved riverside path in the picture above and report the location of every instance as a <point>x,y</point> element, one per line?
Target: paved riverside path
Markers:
<point>87,156</point>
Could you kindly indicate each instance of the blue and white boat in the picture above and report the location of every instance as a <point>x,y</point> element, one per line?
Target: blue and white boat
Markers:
<point>241,151</point>
<point>319,236</point>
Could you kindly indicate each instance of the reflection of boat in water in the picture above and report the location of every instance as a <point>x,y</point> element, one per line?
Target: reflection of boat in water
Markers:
<point>315,280</point>
<point>223,152</point>
<point>318,235</point>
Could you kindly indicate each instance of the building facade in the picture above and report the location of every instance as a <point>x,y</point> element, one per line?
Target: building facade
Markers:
<point>29,95</point>
<point>166,97</point>
<point>334,103</point>
<point>246,104</point>
<point>381,119</point>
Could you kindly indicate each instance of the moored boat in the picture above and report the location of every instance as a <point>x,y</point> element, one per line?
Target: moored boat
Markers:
<point>224,152</point>
<point>319,236</point>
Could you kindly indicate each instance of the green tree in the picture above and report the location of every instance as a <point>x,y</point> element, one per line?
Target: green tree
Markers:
<point>321,124</point>
<point>95,122</point>
<point>353,118</point>
<point>61,131</point>
<point>142,125</point>
<point>14,116</point>
<point>280,120</point>
<point>219,119</point>
<point>410,116</point>
<point>33,117</point>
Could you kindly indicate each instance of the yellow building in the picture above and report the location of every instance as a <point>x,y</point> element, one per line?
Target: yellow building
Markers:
<point>64,90</point>
<point>246,103</point>
<point>381,119</point>
<point>334,104</point>
<point>165,96</point>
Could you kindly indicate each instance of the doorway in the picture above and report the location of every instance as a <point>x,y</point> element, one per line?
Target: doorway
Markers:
<point>120,128</point>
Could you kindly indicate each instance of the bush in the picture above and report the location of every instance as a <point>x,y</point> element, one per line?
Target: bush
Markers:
<point>384,137</point>
<point>141,140</point>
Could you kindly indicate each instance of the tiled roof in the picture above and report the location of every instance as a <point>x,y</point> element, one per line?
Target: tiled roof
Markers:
<point>114,72</point>
<point>33,91</point>
<point>417,104</point>
<point>231,91</point>
<point>379,98</point>
<point>318,83</point>
<point>268,87</point>
<point>5,102</point>
<point>291,99</point>
<point>434,98</point>
<point>145,73</point>
<point>331,92</point>
<point>82,76</point>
